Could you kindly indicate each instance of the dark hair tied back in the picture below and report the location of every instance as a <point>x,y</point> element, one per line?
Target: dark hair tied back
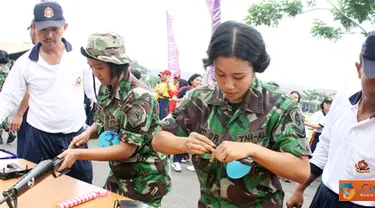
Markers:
<point>241,41</point>
<point>117,70</point>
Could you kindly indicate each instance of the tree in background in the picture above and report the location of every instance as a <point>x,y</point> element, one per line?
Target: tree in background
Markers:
<point>311,100</point>
<point>146,76</point>
<point>350,15</point>
<point>312,95</point>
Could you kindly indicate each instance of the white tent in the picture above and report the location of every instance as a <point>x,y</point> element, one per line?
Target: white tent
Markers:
<point>15,50</point>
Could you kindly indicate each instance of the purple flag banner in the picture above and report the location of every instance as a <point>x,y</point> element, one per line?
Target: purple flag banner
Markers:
<point>215,14</point>
<point>173,58</point>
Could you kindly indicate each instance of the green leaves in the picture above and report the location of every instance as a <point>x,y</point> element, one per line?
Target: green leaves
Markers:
<point>292,8</point>
<point>359,10</point>
<point>321,30</point>
<point>313,95</point>
<point>266,13</point>
<point>270,12</point>
<point>348,15</point>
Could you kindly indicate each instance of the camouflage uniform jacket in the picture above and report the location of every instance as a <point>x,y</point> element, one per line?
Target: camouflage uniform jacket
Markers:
<point>4,71</point>
<point>267,117</point>
<point>132,112</point>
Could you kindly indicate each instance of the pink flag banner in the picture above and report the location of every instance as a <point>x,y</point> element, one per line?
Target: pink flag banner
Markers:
<point>173,57</point>
<point>215,14</point>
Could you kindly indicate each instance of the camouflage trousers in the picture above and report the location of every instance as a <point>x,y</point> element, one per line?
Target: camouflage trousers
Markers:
<point>147,190</point>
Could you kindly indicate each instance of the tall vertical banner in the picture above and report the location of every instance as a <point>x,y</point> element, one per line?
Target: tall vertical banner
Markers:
<point>173,58</point>
<point>215,14</point>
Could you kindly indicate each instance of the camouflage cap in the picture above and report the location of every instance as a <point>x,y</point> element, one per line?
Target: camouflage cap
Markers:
<point>107,47</point>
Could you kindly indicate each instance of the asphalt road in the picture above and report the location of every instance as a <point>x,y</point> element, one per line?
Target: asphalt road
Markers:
<point>185,186</point>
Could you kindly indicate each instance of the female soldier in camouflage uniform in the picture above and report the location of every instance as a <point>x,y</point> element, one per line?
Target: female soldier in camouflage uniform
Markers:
<point>4,71</point>
<point>238,117</point>
<point>129,108</point>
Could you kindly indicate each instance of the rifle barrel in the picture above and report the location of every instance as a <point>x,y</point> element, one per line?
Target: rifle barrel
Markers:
<point>4,199</point>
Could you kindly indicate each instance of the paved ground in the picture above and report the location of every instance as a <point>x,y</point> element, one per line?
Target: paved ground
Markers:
<point>185,187</point>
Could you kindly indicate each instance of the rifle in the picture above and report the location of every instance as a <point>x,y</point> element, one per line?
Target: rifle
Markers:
<point>37,174</point>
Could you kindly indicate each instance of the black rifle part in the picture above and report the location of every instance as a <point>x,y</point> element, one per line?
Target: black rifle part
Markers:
<point>13,171</point>
<point>37,174</point>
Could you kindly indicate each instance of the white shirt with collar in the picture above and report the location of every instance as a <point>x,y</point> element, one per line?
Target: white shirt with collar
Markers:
<point>346,144</point>
<point>89,84</point>
<point>56,92</point>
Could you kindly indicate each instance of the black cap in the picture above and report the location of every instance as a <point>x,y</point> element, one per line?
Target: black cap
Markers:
<point>327,100</point>
<point>368,54</point>
<point>31,24</point>
<point>48,14</point>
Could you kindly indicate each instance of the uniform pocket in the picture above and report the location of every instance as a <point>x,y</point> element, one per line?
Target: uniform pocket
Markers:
<point>361,163</point>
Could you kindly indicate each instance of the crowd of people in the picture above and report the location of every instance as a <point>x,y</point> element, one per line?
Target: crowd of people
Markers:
<point>239,116</point>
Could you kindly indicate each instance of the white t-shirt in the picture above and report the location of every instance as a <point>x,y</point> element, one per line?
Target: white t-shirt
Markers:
<point>89,84</point>
<point>318,118</point>
<point>345,144</point>
<point>56,91</point>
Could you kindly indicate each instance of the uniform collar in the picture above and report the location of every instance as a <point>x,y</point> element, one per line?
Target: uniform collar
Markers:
<point>253,101</point>
<point>354,99</point>
<point>34,54</point>
<point>124,86</point>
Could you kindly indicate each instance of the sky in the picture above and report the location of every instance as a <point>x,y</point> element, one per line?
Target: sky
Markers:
<point>296,56</point>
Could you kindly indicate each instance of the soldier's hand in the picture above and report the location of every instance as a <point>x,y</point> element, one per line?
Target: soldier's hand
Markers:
<point>79,140</point>
<point>296,200</point>
<point>229,151</point>
<point>70,156</point>
<point>198,144</point>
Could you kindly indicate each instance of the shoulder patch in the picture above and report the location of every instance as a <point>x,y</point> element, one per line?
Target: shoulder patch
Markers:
<point>296,117</point>
<point>136,115</point>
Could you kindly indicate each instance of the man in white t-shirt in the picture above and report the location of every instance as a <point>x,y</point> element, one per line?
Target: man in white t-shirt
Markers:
<point>53,75</point>
<point>346,147</point>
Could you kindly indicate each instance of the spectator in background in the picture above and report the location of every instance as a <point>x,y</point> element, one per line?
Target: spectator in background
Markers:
<point>318,122</point>
<point>4,71</point>
<point>174,94</point>
<point>296,95</point>
<point>34,39</point>
<point>162,90</point>
<point>176,80</point>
